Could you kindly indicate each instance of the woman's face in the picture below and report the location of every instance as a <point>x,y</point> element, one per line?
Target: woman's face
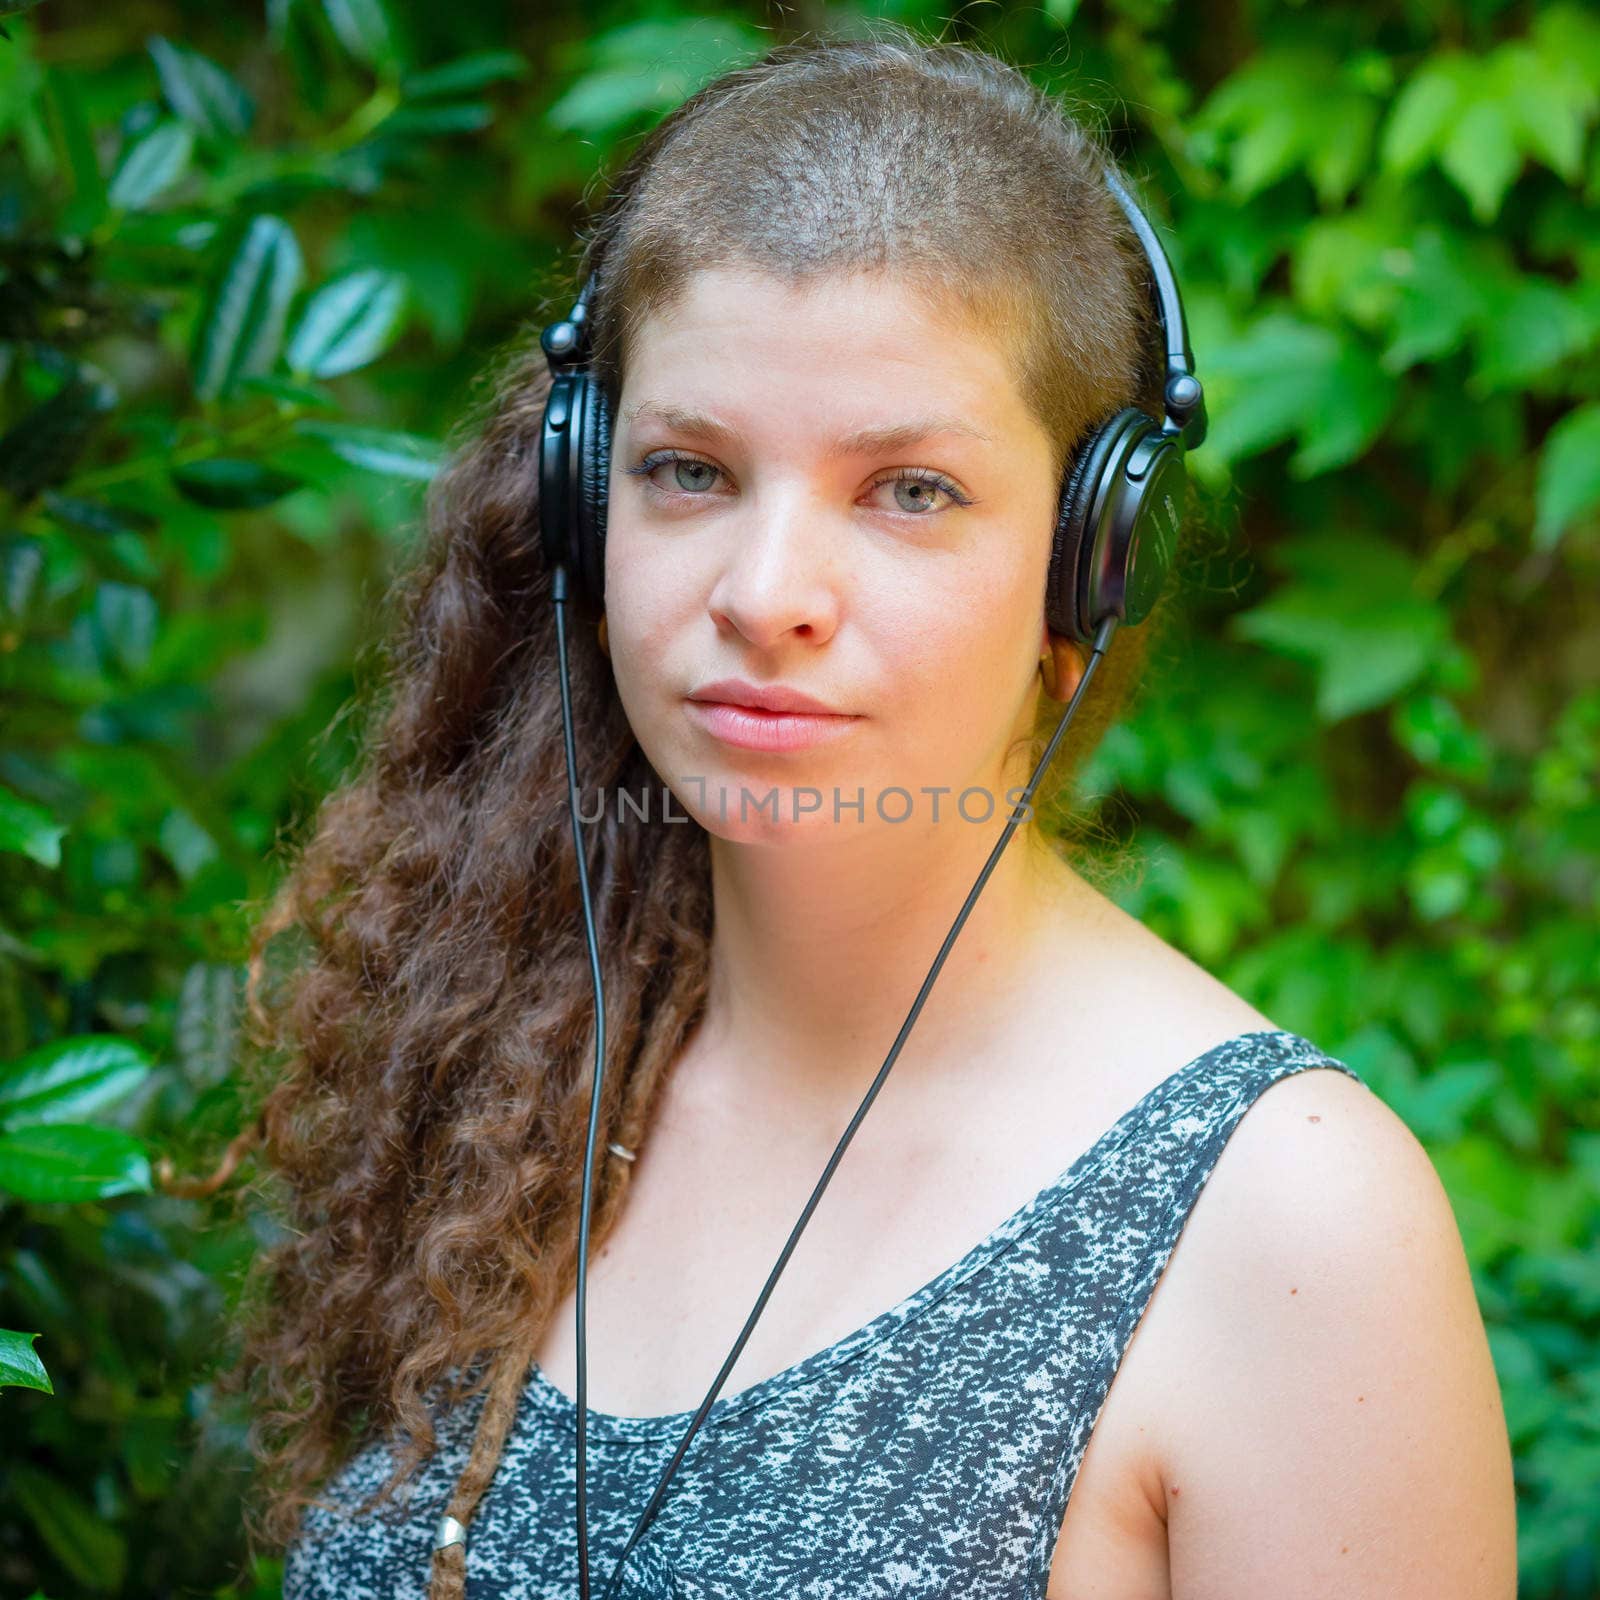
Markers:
<point>835,489</point>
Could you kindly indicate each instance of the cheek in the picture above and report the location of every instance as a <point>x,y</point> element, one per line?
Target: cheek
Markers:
<point>645,602</point>
<point>645,662</point>
<point>953,686</point>
<point>965,639</point>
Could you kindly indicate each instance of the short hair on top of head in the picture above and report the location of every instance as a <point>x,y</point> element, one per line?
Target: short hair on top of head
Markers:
<point>423,1055</point>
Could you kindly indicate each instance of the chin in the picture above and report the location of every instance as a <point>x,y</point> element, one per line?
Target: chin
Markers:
<point>744,808</point>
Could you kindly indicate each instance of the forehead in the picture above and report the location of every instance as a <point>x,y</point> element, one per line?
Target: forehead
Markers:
<point>848,343</point>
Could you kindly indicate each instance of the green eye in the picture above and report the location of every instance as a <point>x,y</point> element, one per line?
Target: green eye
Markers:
<point>926,483</point>
<point>684,463</point>
<point>922,483</point>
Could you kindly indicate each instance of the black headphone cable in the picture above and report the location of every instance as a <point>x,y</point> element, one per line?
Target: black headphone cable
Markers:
<point>558,594</point>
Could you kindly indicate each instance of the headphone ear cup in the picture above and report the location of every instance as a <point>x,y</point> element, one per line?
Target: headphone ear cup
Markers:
<point>1066,592</point>
<point>1117,525</point>
<point>594,470</point>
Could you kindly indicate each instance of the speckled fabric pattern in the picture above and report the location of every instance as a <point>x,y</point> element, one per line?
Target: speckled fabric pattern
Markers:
<point>930,1453</point>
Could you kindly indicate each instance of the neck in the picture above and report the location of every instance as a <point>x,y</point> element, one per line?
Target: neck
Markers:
<point>819,951</point>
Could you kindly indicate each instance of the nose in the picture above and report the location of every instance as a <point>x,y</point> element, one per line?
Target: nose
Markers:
<point>778,573</point>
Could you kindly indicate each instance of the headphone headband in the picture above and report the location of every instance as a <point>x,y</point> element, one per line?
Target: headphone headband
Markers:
<point>1183,397</point>
<point>567,343</point>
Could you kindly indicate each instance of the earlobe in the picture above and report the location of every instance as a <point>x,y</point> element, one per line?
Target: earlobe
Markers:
<point>1061,668</point>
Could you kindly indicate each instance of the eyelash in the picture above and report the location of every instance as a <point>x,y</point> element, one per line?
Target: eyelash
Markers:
<point>662,458</point>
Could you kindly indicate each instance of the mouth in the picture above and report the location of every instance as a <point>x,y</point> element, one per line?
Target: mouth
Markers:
<point>762,697</point>
<point>749,727</point>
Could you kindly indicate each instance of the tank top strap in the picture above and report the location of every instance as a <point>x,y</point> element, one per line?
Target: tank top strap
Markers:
<point>1111,1248</point>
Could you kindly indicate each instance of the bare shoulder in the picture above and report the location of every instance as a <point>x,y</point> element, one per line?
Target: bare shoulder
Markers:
<point>1335,1424</point>
<point>1308,1406</point>
<point>1320,1175</point>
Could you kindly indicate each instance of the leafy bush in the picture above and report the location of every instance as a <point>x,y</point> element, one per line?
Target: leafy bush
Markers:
<point>246,276</point>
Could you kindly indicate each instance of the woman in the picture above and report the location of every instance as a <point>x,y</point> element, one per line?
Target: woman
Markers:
<point>907,242</point>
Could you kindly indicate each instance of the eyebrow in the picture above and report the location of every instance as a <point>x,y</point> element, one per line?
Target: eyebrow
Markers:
<point>859,442</point>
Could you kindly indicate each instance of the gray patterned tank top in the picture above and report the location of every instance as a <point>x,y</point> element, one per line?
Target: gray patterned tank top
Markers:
<point>930,1453</point>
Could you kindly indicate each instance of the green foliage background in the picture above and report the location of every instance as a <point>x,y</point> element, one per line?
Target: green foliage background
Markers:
<point>250,261</point>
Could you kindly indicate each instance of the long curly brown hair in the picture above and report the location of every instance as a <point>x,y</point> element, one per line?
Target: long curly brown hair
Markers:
<point>419,988</point>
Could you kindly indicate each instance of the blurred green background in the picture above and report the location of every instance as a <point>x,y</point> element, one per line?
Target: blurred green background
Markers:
<point>251,260</point>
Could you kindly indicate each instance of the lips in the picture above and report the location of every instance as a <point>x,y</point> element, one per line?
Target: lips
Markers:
<point>774,697</point>
<point>770,717</point>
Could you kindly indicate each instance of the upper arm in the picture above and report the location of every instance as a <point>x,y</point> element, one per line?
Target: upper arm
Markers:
<point>1342,1435</point>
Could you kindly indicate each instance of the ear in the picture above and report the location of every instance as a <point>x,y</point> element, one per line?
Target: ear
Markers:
<point>1061,666</point>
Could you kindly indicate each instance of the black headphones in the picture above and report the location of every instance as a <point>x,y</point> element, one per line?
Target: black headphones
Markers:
<point>1116,529</point>
<point>1117,518</point>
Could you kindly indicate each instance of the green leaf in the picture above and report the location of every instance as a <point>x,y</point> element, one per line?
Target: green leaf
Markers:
<point>1351,611</point>
<point>348,323</point>
<point>200,92</point>
<point>1292,109</point>
<point>78,1537</point>
<point>206,1026</point>
<point>398,455</point>
<point>21,567</point>
<point>97,516</point>
<point>1424,110</point>
<point>1290,379</point>
<point>1345,265</point>
<point>462,116</point>
<point>70,1079</point>
<point>20,1366</point>
<point>364,28</point>
<point>29,829</point>
<point>1570,34</point>
<point>1535,328</point>
<point>123,624</point>
<point>646,68</point>
<point>152,1450</point>
<point>1551,101</point>
<point>46,442</point>
<point>228,484</point>
<point>1210,900</point>
<point>87,206</point>
<point>298,394</point>
<point>152,166</point>
<point>1337,163</point>
<point>1440,1106</point>
<point>1445,290</point>
<point>464,75</point>
<point>242,328</point>
<point>53,1163</point>
<point>1482,156</point>
<point>1569,474</point>
<point>1479,117</point>
<point>447,258</point>
<point>20,75</point>
<point>185,843</point>
<point>1430,729</point>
